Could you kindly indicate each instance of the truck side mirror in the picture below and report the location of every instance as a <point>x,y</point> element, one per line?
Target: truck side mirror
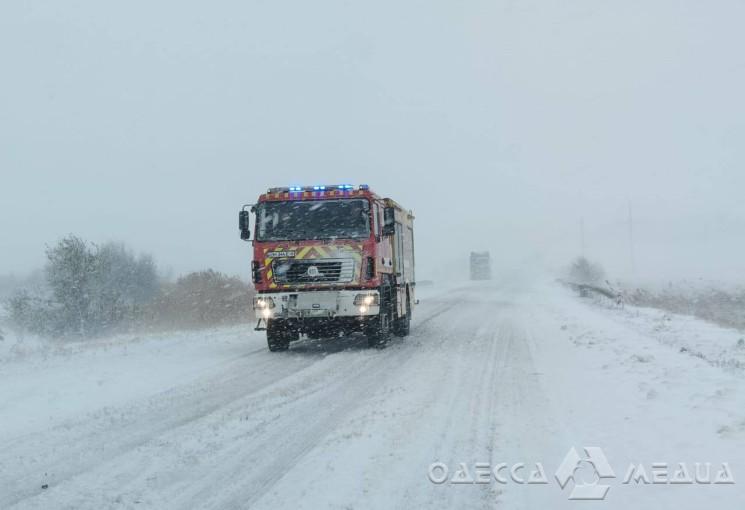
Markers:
<point>243,225</point>
<point>389,221</point>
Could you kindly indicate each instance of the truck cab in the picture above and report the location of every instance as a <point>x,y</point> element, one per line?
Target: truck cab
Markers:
<point>330,259</point>
<point>480,265</point>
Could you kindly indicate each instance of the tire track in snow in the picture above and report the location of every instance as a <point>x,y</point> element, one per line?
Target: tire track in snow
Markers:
<point>470,427</point>
<point>297,437</point>
<point>78,447</point>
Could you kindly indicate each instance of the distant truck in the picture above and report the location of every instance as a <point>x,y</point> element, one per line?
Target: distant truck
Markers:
<point>330,259</point>
<point>480,265</point>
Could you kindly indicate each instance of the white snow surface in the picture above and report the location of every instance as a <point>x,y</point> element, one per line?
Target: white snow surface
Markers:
<point>493,372</point>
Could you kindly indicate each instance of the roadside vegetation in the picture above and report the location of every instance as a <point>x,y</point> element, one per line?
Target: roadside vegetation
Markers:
<point>582,271</point>
<point>708,301</point>
<point>89,290</point>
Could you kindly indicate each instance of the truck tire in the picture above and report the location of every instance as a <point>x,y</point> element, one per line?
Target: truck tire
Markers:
<point>402,325</point>
<point>277,336</point>
<point>378,330</point>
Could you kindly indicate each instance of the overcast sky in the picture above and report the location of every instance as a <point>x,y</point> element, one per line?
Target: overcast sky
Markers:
<point>500,123</point>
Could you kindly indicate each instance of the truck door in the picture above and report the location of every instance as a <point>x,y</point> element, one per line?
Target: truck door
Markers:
<point>399,241</point>
<point>400,268</point>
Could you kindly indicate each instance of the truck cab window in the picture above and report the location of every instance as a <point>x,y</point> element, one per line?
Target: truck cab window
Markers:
<point>313,219</point>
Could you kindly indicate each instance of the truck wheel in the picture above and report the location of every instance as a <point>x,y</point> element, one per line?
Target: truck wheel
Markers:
<point>378,330</point>
<point>402,325</point>
<point>277,336</point>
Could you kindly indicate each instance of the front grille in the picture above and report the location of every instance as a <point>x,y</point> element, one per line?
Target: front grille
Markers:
<point>326,271</point>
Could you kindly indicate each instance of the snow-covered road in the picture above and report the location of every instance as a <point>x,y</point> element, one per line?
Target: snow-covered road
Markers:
<point>498,373</point>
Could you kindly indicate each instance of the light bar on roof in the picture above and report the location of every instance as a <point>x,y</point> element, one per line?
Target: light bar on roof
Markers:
<point>317,188</point>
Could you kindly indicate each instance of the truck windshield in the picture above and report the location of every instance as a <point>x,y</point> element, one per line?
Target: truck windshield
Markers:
<point>313,219</point>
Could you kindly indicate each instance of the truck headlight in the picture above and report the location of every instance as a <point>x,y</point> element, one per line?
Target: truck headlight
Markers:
<point>263,303</point>
<point>366,300</point>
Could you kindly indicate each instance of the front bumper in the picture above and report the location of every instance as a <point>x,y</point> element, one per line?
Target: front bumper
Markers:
<point>316,304</point>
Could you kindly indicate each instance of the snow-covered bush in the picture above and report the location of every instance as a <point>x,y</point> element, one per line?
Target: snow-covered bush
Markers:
<point>90,289</point>
<point>69,272</point>
<point>93,290</point>
<point>200,299</point>
<point>585,272</point>
<point>121,284</point>
<point>34,314</point>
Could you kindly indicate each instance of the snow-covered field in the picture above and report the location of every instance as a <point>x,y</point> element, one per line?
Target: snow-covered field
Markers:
<point>498,373</point>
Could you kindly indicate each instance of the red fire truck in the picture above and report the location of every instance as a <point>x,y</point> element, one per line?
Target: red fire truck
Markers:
<point>330,259</point>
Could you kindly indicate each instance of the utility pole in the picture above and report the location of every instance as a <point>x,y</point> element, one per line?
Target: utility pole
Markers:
<point>631,243</point>
<point>582,236</point>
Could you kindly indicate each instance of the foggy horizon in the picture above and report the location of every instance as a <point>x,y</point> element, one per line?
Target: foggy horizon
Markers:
<point>503,126</point>
<point>562,320</point>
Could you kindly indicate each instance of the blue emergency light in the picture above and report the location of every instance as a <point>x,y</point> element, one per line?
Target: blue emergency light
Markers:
<point>319,188</point>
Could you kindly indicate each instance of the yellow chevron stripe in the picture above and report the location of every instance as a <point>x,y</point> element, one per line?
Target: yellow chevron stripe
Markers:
<point>302,253</point>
